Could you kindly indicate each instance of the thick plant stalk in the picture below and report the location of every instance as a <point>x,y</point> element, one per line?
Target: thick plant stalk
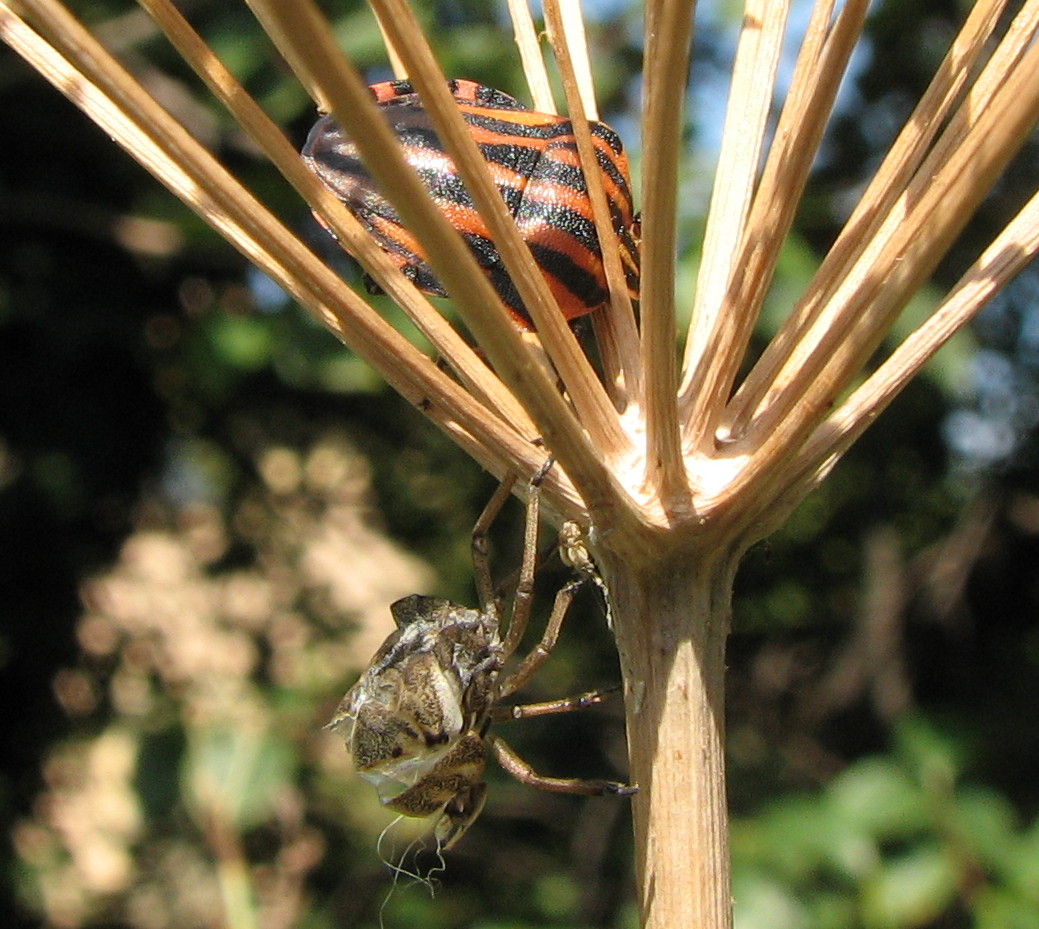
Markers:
<point>671,622</point>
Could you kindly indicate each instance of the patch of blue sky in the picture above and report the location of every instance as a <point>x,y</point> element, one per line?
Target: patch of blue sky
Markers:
<point>595,11</point>
<point>267,294</point>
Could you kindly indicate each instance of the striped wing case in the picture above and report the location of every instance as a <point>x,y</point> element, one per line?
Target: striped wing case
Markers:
<point>533,159</point>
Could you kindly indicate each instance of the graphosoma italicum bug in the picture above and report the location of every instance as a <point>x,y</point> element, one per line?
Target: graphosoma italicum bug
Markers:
<point>533,159</point>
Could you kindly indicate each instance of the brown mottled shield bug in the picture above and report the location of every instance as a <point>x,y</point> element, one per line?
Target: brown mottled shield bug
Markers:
<point>417,721</point>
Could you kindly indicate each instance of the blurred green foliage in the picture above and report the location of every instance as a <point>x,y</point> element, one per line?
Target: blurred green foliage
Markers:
<point>893,840</point>
<point>206,505</point>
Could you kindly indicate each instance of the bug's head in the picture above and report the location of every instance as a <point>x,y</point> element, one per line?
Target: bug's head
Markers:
<point>333,156</point>
<point>459,814</point>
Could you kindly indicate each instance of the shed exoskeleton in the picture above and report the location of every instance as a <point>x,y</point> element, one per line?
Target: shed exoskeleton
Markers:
<point>417,721</point>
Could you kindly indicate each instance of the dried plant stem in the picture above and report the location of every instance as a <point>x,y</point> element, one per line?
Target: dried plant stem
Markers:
<point>708,378</point>
<point>84,71</point>
<point>305,39</point>
<point>618,325</point>
<point>904,251</point>
<point>586,391</point>
<point>530,55</point>
<point>400,70</point>
<point>619,353</point>
<point>565,24</point>
<point>471,370</point>
<point>1012,250</point>
<point>880,203</point>
<point>669,31</point>
<point>672,623</point>
<point>750,100</point>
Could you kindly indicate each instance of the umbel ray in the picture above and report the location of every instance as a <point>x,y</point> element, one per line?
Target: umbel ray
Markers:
<point>417,722</point>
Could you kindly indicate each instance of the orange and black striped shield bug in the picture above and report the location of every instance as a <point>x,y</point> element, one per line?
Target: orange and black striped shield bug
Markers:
<point>533,159</point>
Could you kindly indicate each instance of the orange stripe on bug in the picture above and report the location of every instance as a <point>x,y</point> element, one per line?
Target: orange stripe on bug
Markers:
<point>533,161</point>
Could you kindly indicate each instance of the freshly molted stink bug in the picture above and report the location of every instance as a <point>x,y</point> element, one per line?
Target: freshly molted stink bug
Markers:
<point>533,159</point>
<point>417,722</point>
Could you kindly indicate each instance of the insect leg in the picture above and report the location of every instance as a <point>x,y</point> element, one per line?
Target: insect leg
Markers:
<point>523,598</point>
<point>538,655</point>
<point>481,548</point>
<point>525,774</point>
<point>565,705</point>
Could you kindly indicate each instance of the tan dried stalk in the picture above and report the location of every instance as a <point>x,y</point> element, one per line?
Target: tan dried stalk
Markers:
<point>749,255</point>
<point>616,328</point>
<point>674,471</point>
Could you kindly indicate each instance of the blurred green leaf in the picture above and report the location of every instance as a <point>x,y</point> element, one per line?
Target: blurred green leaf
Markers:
<point>235,773</point>
<point>762,902</point>
<point>910,890</point>
<point>877,798</point>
